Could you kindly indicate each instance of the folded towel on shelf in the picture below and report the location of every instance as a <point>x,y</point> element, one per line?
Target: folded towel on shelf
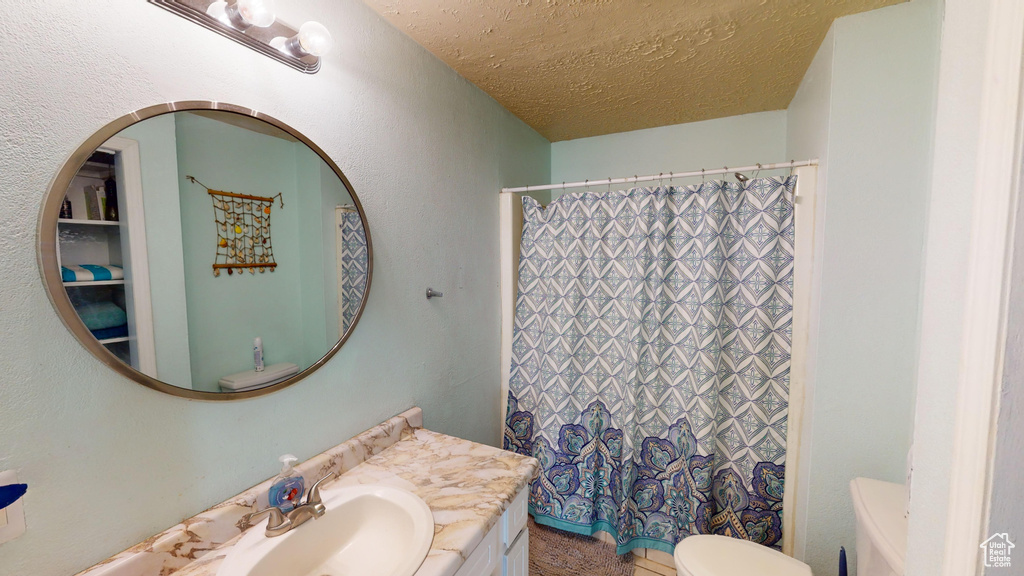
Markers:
<point>108,333</point>
<point>100,315</point>
<point>90,273</point>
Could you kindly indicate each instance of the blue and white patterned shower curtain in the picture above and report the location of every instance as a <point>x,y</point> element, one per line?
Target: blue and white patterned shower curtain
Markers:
<point>353,267</point>
<point>650,360</point>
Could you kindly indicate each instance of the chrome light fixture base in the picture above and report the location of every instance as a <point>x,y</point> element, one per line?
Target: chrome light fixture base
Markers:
<point>254,37</point>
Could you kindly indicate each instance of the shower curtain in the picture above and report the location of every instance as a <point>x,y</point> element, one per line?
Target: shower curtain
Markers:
<point>650,360</point>
<point>352,258</point>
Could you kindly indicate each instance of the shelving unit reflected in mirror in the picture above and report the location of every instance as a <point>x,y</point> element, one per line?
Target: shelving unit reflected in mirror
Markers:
<point>93,253</point>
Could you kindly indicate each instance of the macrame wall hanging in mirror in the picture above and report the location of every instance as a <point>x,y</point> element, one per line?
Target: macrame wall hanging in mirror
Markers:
<point>243,231</point>
<point>161,240</point>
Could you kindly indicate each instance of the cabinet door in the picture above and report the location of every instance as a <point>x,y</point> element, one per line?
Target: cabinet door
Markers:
<point>484,561</point>
<point>516,561</point>
<point>514,519</point>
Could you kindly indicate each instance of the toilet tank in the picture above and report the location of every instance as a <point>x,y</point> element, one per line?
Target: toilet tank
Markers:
<point>881,526</point>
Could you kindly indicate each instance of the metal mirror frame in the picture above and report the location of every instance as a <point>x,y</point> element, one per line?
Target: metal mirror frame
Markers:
<point>46,248</point>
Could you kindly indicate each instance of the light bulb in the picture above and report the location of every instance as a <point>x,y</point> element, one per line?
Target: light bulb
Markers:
<point>279,42</point>
<point>218,10</point>
<point>315,39</point>
<point>256,12</point>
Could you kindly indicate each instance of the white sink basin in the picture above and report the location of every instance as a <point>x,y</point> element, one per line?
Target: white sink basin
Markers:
<point>367,531</point>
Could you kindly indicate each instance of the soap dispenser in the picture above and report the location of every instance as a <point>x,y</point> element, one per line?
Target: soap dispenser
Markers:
<point>288,487</point>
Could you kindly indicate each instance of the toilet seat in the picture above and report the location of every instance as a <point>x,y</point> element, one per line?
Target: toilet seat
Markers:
<point>712,555</point>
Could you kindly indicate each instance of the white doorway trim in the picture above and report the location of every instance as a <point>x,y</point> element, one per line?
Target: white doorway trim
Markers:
<point>510,235</point>
<point>988,272</point>
<point>806,281</point>
<point>136,262</point>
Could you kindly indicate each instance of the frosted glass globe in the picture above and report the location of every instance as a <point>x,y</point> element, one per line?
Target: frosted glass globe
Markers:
<point>257,12</point>
<point>279,42</point>
<point>218,10</point>
<point>315,39</point>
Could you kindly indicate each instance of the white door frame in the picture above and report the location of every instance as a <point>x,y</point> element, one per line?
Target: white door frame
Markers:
<point>806,282</point>
<point>136,269</point>
<point>510,235</point>
<point>339,270</point>
<point>996,191</point>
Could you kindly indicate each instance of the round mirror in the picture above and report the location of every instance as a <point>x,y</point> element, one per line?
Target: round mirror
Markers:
<point>205,250</point>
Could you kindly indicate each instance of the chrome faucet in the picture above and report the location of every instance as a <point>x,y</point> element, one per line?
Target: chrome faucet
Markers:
<point>281,522</point>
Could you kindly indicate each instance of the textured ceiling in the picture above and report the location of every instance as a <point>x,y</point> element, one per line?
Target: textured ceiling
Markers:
<point>577,68</point>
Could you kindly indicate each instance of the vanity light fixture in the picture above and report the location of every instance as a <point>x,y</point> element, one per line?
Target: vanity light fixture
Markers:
<point>243,14</point>
<point>312,39</point>
<point>255,24</point>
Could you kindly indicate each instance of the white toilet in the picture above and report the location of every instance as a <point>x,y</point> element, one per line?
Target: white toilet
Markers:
<point>881,542</point>
<point>881,526</point>
<point>712,555</point>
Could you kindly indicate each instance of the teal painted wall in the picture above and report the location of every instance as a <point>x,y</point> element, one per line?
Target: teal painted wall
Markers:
<point>732,141</point>
<point>159,159</point>
<point>426,152</point>
<point>311,255</point>
<point>866,109</point>
<point>297,312</point>
<point>226,313</point>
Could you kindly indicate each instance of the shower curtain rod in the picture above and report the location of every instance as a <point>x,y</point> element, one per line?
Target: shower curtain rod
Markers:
<point>664,175</point>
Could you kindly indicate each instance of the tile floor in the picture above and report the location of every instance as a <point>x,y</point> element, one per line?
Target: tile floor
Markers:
<point>646,562</point>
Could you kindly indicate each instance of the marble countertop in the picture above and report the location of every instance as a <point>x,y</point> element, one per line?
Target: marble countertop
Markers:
<point>466,485</point>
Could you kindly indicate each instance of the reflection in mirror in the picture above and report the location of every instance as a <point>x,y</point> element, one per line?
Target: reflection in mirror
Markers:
<point>194,242</point>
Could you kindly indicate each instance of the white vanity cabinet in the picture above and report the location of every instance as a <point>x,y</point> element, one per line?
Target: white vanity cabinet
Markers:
<point>505,550</point>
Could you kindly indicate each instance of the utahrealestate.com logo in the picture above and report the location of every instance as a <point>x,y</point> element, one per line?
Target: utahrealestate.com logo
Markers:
<point>996,550</point>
